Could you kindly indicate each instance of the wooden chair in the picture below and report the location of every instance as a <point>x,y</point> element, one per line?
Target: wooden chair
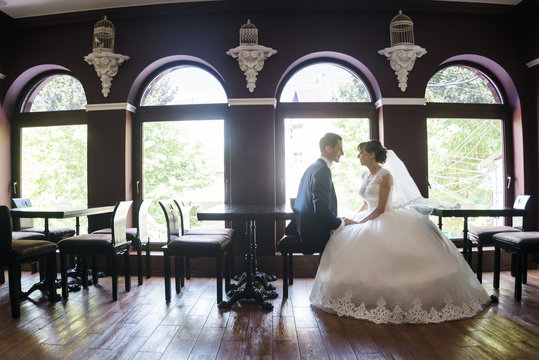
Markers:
<point>139,238</point>
<point>519,244</point>
<point>190,245</point>
<point>483,235</point>
<point>289,245</point>
<point>186,230</point>
<point>112,245</point>
<point>15,252</point>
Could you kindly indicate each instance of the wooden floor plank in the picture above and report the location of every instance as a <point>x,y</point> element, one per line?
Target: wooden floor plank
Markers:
<point>142,325</point>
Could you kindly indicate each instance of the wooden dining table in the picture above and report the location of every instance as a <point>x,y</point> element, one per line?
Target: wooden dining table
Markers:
<point>249,214</point>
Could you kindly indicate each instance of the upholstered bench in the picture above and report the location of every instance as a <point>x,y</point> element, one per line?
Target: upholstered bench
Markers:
<point>519,244</point>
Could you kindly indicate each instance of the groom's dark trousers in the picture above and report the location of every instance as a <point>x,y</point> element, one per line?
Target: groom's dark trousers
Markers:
<point>315,207</point>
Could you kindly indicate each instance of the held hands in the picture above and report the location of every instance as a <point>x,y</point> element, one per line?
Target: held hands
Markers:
<point>348,221</point>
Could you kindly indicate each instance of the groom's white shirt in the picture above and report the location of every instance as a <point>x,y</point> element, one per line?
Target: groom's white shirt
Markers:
<point>328,163</point>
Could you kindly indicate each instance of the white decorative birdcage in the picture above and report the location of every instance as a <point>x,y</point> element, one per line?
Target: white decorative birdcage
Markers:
<point>104,32</point>
<point>248,34</point>
<point>401,30</point>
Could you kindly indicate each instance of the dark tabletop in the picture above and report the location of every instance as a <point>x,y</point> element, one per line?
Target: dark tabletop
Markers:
<point>477,212</point>
<point>246,212</point>
<point>60,211</point>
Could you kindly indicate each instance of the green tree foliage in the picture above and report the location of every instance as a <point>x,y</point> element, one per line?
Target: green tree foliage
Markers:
<point>160,92</point>
<point>59,92</point>
<point>460,84</point>
<point>352,91</point>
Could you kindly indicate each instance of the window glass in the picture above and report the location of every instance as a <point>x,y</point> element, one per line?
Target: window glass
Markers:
<point>461,84</point>
<point>56,93</point>
<point>302,149</point>
<point>324,82</point>
<point>183,160</point>
<point>183,85</point>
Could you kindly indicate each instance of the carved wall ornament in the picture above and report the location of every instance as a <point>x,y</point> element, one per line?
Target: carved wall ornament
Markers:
<point>103,58</point>
<point>403,51</point>
<point>249,54</point>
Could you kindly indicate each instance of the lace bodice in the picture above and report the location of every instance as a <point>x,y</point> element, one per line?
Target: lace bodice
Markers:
<point>370,187</point>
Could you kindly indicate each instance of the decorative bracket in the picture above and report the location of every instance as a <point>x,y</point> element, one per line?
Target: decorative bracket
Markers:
<point>106,66</point>
<point>251,60</point>
<point>402,60</point>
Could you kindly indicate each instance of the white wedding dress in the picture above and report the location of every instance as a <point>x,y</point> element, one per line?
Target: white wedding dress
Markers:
<point>397,268</point>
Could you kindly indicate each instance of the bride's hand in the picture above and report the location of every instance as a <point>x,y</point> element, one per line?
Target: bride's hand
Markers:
<point>348,221</point>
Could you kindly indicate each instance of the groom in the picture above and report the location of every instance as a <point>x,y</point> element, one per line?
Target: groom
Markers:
<point>315,206</point>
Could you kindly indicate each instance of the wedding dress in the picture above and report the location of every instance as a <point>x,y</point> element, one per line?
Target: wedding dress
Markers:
<point>398,267</point>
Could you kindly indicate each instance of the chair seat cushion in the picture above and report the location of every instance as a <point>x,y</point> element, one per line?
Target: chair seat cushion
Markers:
<point>77,244</point>
<point>25,235</point>
<point>55,234</point>
<point>131,233</point>
<point>485,233</point>
<point>523,239</point>
<point>30,248</point>
<point>289,244</point>
<point>198,245</point>
<point>210,231</point>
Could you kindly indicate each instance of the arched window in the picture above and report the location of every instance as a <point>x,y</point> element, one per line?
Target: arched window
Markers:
<point>465,135</point>
<point>53,144</point>
<point>316,99</point>
<point>182,124</point>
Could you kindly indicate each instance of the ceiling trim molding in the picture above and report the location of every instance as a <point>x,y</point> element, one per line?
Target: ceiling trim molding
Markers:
<point>256,101</point>
<point>111,106</point>
<point>400,101</point>
<point>532,63</point>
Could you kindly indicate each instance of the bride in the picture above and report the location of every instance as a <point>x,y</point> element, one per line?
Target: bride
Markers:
<point>393,265</point>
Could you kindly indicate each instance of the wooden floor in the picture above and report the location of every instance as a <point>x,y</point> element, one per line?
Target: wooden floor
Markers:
<point>141,325</point>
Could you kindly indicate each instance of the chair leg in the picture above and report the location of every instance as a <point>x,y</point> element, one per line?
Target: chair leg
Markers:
<point>95,278</point>
<point>139,264</point>
<point>480,261</point>
<point>33,267</point>
<point>513,263</point>
<point>2,275</point>
<point>285,274</point>
<point>84,272</point>
<point>182,273</point>
<point>51,276</point>
<point>290,269</point>
<point>219,270</point>
<point>518,277</point>
<point>496,280</point>
<point>177,273</point>
<point>127,270</point>
<point>14,274</point>
<point>166,261</point>
<point>42,271</point>
<point>63,272</point>
<point>187,268</point>
<point>524,268</point>
<point>148,261</point>
<point>114,275</point>
<point>228,261</point>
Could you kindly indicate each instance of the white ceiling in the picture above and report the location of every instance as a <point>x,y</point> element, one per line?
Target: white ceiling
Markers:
<point>28,8</point>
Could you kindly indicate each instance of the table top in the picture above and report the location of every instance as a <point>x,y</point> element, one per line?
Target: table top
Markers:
<point>473,212</point>
<point>246,212</point>
<point>60,211</point>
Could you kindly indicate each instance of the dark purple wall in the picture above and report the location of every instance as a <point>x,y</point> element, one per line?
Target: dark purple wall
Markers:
<point>495,40</point>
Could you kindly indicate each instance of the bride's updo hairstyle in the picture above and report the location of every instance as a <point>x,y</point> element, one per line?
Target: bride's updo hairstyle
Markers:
<point>376,147</point>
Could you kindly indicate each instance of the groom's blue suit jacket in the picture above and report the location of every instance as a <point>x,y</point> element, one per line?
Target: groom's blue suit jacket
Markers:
<point>315,207</point>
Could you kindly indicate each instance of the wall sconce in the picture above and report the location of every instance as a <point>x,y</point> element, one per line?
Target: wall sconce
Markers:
<point>103,58</point>
<point>403,51</point>
<point>249,54</point>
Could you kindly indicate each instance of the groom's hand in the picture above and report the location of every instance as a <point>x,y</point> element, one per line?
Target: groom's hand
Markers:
<point>348,221</point>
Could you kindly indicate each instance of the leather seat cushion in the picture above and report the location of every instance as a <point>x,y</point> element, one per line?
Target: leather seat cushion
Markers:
<point>485,233</point>
<point>77,244</point>
<point>27,235</point>
<point>524,239</point>
<point>29,248</point>
<point>131,233</point>
<point>209,231</point>
<point>199,245</point>
<point>289,244</point>
<point>55,234</point>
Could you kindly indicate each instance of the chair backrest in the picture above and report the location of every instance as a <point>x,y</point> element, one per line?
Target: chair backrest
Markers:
<point>172,216</point>
<point>5,233</point>
<point>119,222</point>
<point>183,225</point>
<point>23,223</point>
<point>142,222</point>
